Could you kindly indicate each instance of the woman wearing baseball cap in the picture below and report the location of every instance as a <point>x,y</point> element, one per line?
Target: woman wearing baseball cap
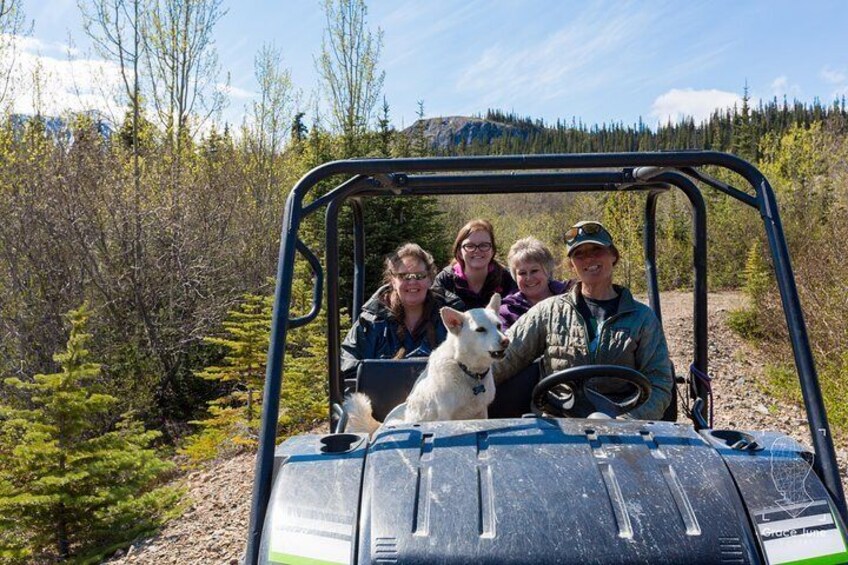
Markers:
<point>597,322</point>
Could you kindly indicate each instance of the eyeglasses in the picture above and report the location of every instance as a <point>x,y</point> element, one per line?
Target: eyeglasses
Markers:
<point>590,228</point>
<point>470,247</point>
<point>411,276</point>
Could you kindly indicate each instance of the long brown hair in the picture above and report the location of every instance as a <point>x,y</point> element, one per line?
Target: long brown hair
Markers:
<point>392,300</point>
<point>474,225</point>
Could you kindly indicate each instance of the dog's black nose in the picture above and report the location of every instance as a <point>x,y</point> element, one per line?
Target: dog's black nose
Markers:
<point>505,342</point>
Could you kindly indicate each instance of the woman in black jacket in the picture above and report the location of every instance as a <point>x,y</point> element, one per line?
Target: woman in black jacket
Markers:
<point>401,320</point>
<point>474,275</point>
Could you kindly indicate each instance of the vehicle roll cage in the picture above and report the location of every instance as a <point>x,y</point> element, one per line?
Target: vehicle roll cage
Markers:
<point>653,173</point>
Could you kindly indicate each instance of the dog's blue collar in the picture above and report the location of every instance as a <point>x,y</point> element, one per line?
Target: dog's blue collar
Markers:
<point>479,388</point>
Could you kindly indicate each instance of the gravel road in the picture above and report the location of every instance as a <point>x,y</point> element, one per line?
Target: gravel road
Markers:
<point>212,530</point>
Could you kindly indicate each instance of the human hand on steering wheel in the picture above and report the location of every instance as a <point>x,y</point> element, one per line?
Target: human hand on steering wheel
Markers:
<point>548,400</point>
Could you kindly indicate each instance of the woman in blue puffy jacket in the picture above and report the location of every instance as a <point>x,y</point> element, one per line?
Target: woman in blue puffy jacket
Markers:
<point>401,320</point>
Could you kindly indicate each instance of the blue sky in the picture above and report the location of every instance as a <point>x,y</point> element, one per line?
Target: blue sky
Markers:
<point>549,59</point>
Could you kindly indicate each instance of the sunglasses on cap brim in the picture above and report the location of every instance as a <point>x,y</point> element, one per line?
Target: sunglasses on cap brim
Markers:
<point>590,228</point>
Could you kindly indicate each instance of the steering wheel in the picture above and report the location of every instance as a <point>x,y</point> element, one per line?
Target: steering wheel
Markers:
<point>549,399</point>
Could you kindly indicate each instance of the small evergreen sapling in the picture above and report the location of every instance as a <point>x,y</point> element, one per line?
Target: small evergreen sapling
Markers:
<point>234,417</point>
<point>233,421</point>
<point>74,482</point>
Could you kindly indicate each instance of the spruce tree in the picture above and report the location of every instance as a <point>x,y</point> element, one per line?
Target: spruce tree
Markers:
<point>75,484</point>
<point>305,396</point>
<point>234,417</point>
<point>744,137</point>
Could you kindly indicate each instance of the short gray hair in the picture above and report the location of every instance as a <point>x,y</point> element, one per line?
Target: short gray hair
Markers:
<point>533,250</point>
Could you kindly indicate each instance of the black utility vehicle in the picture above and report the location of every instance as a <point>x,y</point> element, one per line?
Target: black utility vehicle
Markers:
<point>538,487</point>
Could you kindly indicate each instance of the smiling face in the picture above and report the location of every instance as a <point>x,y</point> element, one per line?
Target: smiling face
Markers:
<point>412,292</point>
<point>532,280</point>
<point>593,264</point>
<point>472,255</point>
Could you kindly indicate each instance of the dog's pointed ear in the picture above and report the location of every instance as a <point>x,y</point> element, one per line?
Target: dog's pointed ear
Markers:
<point>495,303</point>
<point>453,319</point>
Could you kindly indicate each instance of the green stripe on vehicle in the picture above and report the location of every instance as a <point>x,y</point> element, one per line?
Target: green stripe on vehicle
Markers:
<point>289,559</point>
<point>835,559</point>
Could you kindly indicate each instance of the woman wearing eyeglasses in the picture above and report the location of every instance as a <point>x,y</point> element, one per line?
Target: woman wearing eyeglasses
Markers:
<point>474,275</point>
<point>401,319</point>
<point>596,322</point>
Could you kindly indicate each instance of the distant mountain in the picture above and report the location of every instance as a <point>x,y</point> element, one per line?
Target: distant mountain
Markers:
<point>57,127</point>
<point>452,131</point>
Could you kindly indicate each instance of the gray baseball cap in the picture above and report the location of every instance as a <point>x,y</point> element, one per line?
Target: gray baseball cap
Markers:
<point>587,232</point>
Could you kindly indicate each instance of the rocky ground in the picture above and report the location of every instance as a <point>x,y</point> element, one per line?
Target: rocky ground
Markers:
<point>212,529</point>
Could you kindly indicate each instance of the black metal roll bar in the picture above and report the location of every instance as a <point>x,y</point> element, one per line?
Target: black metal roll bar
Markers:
<point>654,173</point>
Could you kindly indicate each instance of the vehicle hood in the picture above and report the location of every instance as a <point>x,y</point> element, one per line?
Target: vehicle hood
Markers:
<point>549,491</point>
<point>545,490</point>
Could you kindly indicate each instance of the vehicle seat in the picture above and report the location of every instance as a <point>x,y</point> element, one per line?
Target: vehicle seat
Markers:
<point>512,397</point>
<point>388,382</point>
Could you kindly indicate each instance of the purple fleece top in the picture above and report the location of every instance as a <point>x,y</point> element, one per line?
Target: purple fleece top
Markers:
<point>515,305</point>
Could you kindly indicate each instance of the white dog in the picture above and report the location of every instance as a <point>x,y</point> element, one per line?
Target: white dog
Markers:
<point>457,383</point>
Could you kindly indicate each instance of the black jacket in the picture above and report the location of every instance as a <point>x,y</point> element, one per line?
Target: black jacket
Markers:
<point>374,335</point>
<point>453,284</point>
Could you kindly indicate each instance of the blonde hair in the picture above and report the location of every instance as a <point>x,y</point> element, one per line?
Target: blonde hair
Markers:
<point>533,250</point>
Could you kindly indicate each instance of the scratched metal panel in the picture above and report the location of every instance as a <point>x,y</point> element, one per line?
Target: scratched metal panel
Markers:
<point>312,512</point>
<point>549,491</point>
<point>793,515</point>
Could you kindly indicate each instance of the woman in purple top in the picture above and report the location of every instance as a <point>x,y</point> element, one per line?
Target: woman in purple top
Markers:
<point>531,264</point>
<point>474,276</point>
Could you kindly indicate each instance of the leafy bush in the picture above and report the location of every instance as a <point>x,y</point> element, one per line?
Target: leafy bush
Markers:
<point>835,390</point>
<point>808,167</point>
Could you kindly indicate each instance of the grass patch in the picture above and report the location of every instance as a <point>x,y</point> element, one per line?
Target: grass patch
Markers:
<point>781,381</point>
<point>834,382</point>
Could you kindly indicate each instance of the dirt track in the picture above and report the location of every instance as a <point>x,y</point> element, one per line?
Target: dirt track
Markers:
<point>213,528</point>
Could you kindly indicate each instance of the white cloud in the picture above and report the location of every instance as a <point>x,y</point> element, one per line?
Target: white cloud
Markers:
<point>781,87</point>
<point>838,79</point>
<point>54,85</point>
<point>431,26</point>
<point>234,91</point>
<point>576,57</point>
<point>840,92</point>
<point>833,76</point>
<point>677,104</point>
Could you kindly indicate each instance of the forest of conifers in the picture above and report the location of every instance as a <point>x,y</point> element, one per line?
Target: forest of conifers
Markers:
<point>136,266</point>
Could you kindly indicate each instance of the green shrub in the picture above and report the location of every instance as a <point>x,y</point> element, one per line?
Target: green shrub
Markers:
<point>832,376</point>
<point>746,323</point>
